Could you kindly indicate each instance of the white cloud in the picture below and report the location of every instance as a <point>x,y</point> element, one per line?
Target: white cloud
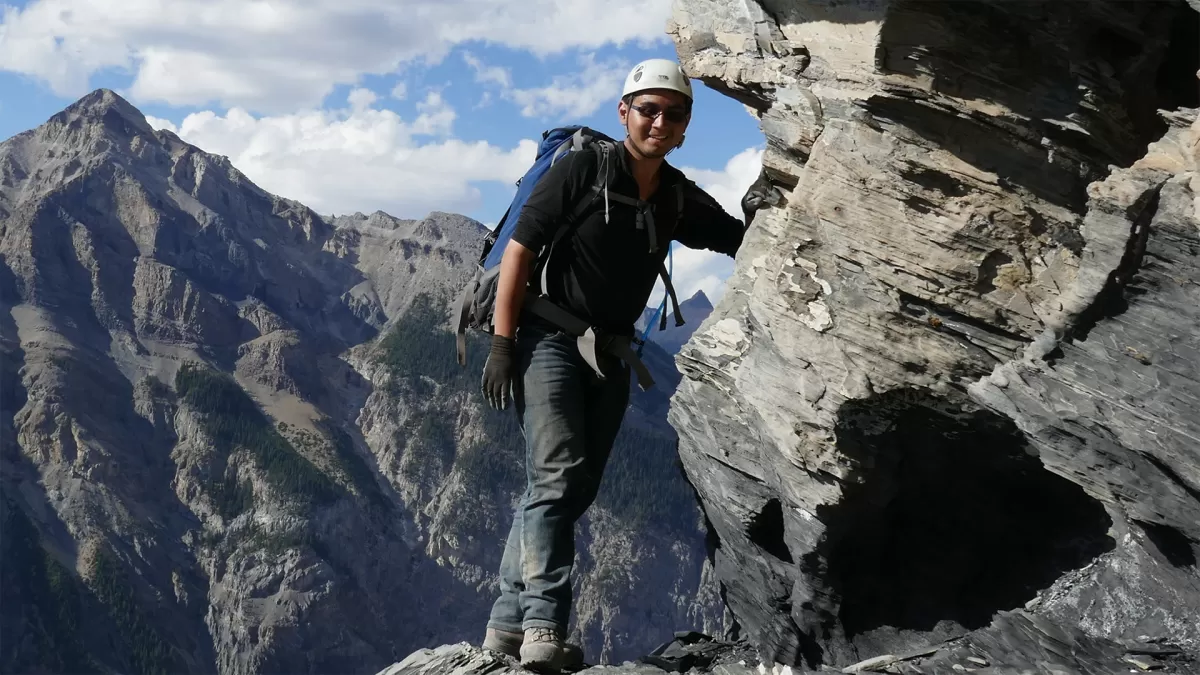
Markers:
<point>160,123</point>
<point>399,91</point>
<point>358,158</point>
<point>485,73</point>
<point>436,116</point>
<point>728,185</point>
<point>704,270</point>
<point>361,99</point>
<point>575,95</point>
<point>273,56</point>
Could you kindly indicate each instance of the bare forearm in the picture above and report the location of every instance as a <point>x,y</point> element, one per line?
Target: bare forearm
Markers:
<point>510,288</point>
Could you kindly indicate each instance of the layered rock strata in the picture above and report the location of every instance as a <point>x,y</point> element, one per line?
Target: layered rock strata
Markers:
<point>955,370</point>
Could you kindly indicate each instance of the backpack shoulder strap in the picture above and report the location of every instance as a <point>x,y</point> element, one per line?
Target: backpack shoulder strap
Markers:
<point>582,204</point>
<point>679,201</point>
<point>585,200</point>
<point>666,276</point>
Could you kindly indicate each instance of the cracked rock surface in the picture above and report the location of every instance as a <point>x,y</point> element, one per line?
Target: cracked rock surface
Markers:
<point>955,372</point>
<point>1016,642</point>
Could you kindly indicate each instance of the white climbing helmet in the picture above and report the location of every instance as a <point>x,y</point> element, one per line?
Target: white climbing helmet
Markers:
<point>657,74</point>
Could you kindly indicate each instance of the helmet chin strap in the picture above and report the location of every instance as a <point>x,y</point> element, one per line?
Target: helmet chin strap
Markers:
<point>677,145</point>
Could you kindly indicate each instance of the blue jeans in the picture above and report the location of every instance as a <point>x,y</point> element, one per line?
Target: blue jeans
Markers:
<point>569,418</point>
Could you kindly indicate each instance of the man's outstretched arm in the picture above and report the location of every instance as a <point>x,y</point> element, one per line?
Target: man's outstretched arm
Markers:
<point>706,225</point>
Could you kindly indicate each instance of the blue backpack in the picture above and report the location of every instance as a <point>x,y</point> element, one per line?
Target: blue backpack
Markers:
<point>477,303</point>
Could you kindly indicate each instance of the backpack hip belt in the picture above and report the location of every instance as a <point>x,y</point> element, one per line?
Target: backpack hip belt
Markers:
<point>590,339</point>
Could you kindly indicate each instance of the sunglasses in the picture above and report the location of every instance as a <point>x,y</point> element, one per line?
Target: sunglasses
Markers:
<point>651,112</point>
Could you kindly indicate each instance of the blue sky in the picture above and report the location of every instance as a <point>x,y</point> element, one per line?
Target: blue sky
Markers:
<point>406,106</point>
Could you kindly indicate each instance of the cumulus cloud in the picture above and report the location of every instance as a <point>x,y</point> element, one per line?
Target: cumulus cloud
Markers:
<point>484,73</point>
<point>272,57</point>
<point>704,270</point>
<point>361,98</point>
<point>578,94</point>
<point>436,117</point>
<point>358,158</point>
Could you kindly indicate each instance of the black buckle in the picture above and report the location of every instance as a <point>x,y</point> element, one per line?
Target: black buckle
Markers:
<point>604,339</point>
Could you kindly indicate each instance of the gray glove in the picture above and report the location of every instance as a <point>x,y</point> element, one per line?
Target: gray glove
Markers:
<point>498,372</point>
<point>759,195</point>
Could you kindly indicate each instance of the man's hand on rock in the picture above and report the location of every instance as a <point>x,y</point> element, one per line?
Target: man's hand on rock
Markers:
<point>497,372</point>
<point>760,194</point>
<point>753,200</point>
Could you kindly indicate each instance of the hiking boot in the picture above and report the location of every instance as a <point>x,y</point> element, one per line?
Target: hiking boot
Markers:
<point>544,651</point>
<point>572,657</point>
<point>503,641</point>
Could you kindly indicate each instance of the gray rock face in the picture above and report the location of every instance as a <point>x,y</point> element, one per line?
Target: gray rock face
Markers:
<point>465,658</point>
<point>955,374</point>
<point>1014,642</point>
<point>234,438</point>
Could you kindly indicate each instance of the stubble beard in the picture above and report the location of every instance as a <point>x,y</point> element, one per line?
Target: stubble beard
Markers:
<point>648,153</point>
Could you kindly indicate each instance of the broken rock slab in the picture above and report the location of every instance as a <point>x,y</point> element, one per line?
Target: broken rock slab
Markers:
<point>466,659</point>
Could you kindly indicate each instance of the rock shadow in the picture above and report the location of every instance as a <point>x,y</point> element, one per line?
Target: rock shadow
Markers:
<point>1108,67</point>
<point>948,520</point>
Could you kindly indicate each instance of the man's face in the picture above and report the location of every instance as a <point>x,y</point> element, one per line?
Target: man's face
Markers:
<point>655,121</point>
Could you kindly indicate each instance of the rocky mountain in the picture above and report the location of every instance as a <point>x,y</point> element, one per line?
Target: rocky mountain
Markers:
<point>942,420</point>
<point>954,374</point>
<point>234,437</point>
<point>695,310</point>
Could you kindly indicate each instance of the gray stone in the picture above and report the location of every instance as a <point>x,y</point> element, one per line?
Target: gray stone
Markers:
<point>879,663</point>
<point>954,373</point>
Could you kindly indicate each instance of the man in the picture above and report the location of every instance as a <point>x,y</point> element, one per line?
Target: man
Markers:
<point>603,272</point>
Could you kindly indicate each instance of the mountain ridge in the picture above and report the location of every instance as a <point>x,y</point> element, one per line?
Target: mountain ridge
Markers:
<point>239,409</point>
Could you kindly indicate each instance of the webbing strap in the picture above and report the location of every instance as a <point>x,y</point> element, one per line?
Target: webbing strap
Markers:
<point>666,277</point>
<point>589,341</point>
<point>647,215</point>
<point>665,273</point>
<point>575,144</point>
<point>620,348</point>
<point>644,219</point>
<point>576,215</point>
<point>464,314</point>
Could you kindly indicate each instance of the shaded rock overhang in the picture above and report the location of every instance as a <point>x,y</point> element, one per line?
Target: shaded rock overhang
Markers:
<point>955,372</point>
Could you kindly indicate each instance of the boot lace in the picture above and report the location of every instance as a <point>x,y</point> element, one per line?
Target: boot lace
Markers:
<point>542,634</point>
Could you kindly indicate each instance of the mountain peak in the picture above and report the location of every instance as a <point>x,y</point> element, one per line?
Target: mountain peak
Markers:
<point>699,299</point>
<point>106,107</point>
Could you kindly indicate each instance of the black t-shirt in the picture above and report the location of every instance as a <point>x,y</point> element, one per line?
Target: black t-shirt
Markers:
<point>603,272</point>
